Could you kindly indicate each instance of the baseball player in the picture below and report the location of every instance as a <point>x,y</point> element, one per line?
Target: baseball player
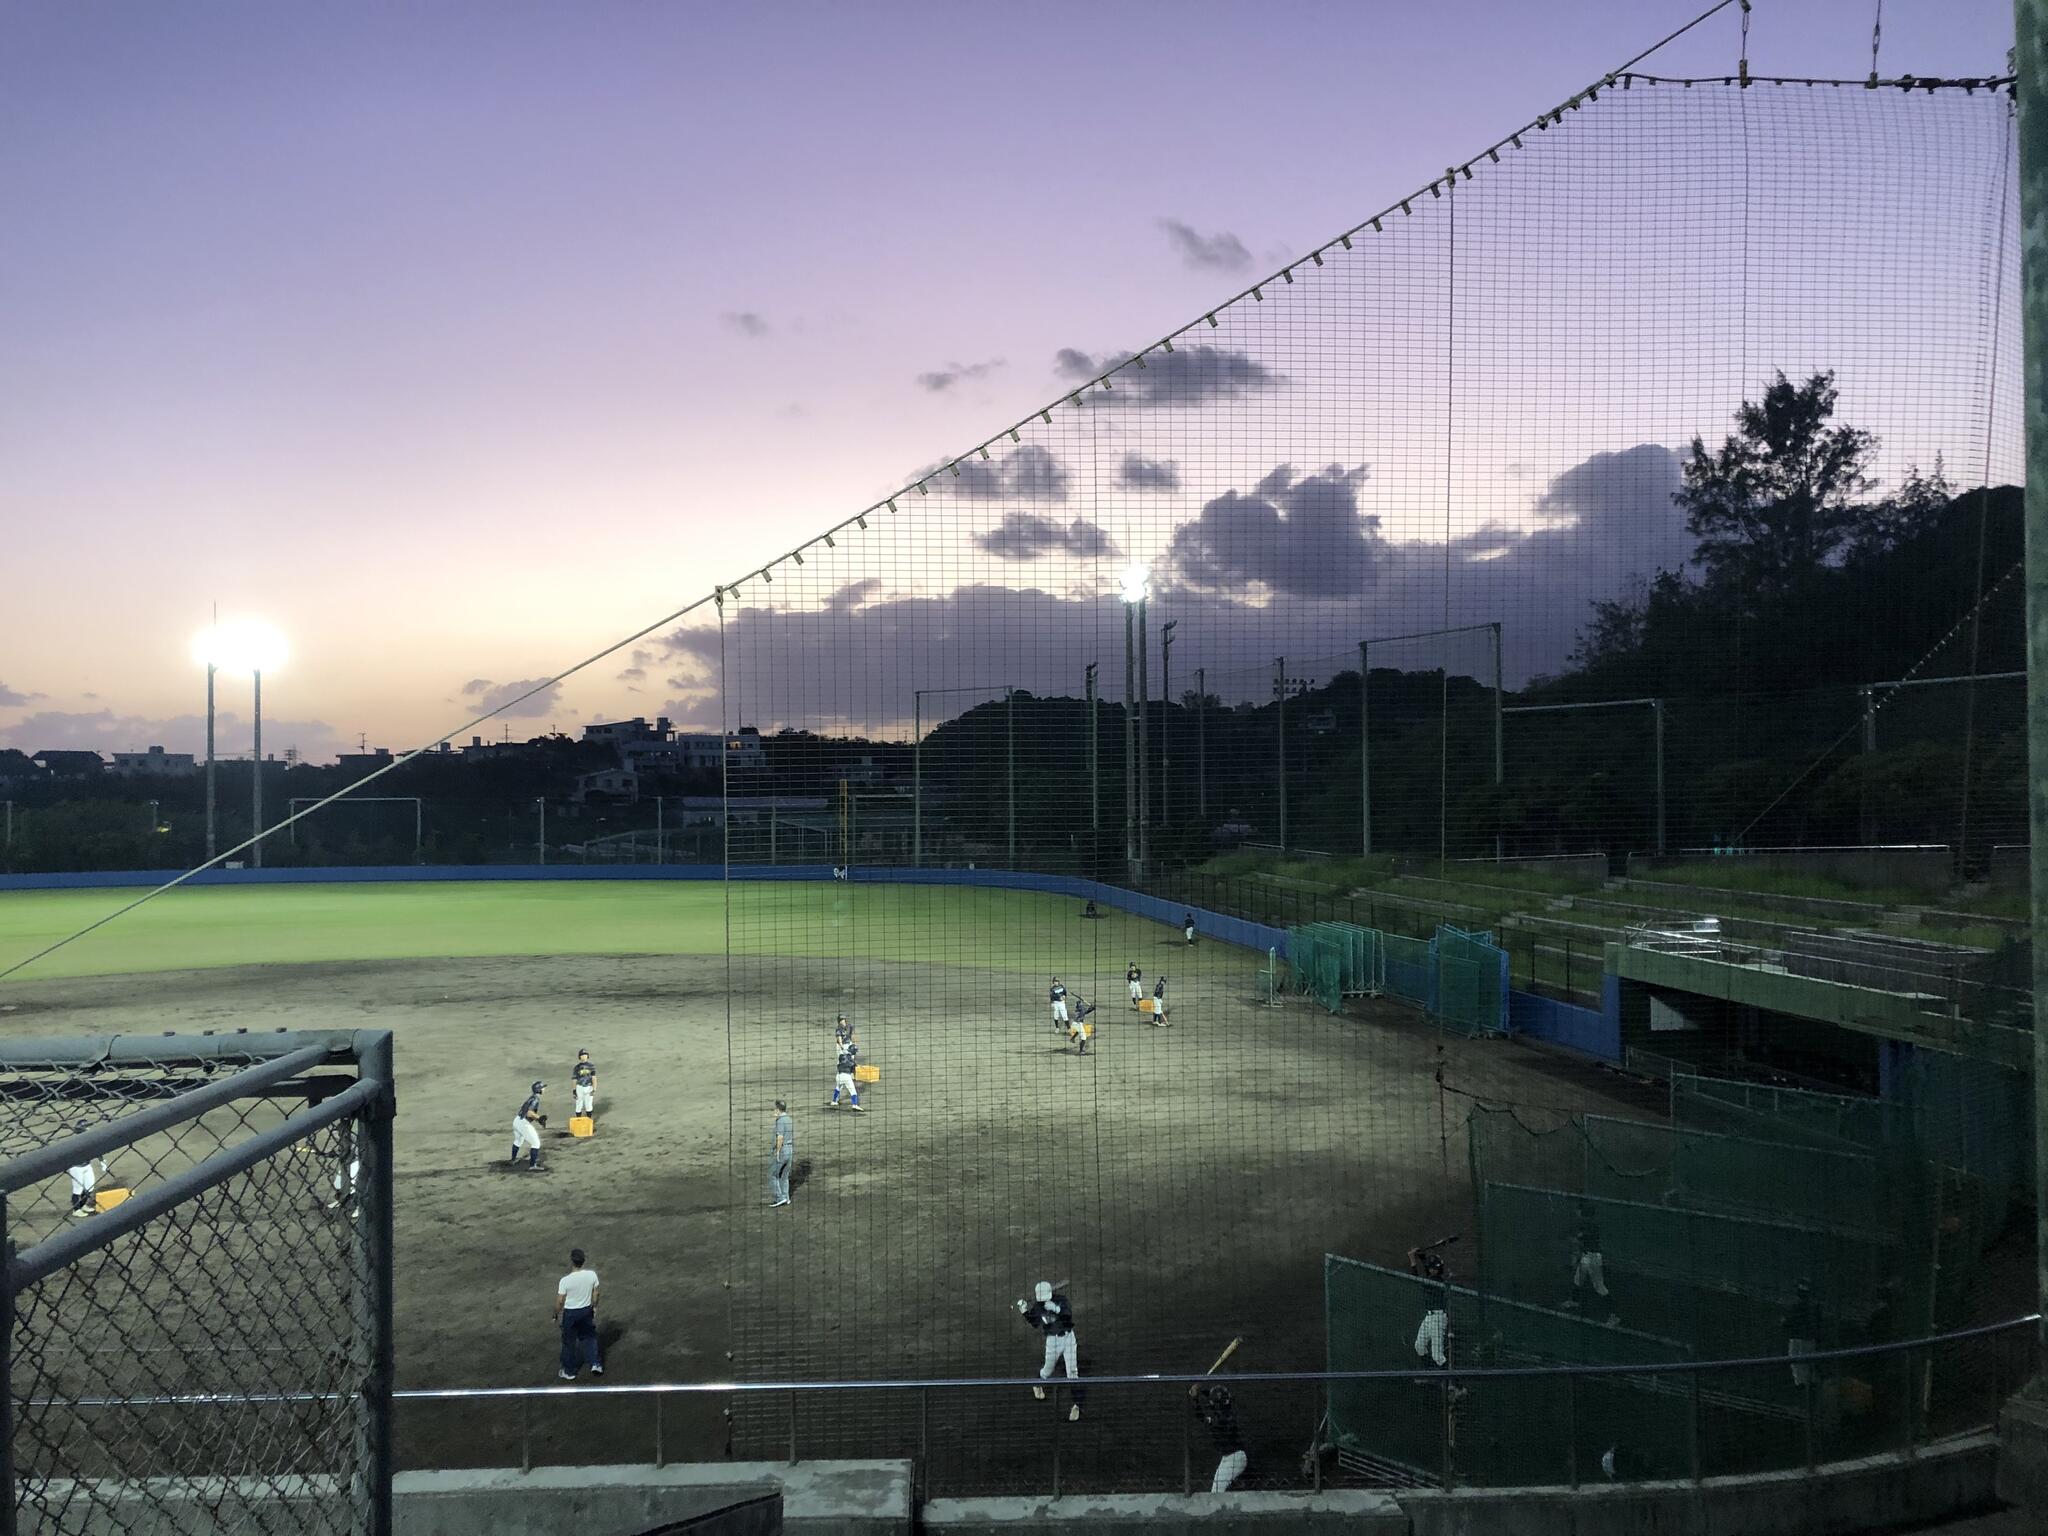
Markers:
<point>1433,1337</point>
<point>843,1030</point>
<point>1077,1027</point>
<point>1052,1314</point>
<point>1213,1407</point>
<point>1159,1002</point>
<point>849,1058</point>
<point>1802,1330</point>
<point>583,1084</point>
<point>1187,928</point>
<point>85,1178</point>
<point>1058,994</point>
<point>1135,979</point>
<point>1589,1267</point>
<point>526,1128</point>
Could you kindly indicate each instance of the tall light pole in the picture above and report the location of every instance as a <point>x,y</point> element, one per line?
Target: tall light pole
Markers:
<point>1202,744</point>
<point>1144,743</point>
<point>1094,779</point>
<point>1165,709</point>
<point>1132,581</point>
<point>239,646</point>
<point>541,802</point>
<point>1280,721</point>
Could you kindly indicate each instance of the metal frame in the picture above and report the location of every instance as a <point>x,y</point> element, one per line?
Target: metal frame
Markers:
<point>1656,709</point>
<point>1365,719</point>
<point>281,1057</point>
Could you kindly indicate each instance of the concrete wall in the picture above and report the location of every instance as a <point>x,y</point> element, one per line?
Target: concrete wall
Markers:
<point>819,1498</point>
<point>1229,1514</point>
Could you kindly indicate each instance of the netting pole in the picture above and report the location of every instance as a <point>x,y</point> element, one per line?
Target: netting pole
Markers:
<point>1280,716</point>
<point>1499,775</point>
<point>1365,747</point>
<point>916,783</point>
<point>1657,710</point>
<point>256,780</point>
<point>1010,763</point>
<point>2031,59</point>
<point>1202,744</point>
<point>1144,741</point>
<point>374,1143</point>
<point>1130,764</point>
<point>1166,723</point>
<point>211,836</point>
<point>7,1499</point>
<point>1094,782</point>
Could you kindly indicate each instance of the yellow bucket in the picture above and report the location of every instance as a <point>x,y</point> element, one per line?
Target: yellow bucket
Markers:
<point>865,1073</point>
<point>582,1125</point>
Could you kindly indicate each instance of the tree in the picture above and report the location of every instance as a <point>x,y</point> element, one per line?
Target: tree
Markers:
<point>1780,500</point>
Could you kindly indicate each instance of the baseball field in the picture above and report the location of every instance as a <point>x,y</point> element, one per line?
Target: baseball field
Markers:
<point>1181,1182</point>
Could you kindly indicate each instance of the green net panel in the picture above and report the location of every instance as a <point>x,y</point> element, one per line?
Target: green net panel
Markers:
<point>1724,1283</point>
<point>1505,1432</point>
<point>1409,968</point>
<point>1471,976</point>
<point>1771,1112</point>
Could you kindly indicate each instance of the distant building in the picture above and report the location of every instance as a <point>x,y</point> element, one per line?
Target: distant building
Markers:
<point>69,764</point>
<point>481,751</point>
<point>156,763</point>
<point>364,762</point>
<point>741,750</point>
<point>607,784</point>
<point>15,764</point>
<point>716,810</point>
<point>864,770</point>
<point>619,732</point>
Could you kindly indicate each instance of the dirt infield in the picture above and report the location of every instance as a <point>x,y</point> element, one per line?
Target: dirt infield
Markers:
<point>1184,1182</point>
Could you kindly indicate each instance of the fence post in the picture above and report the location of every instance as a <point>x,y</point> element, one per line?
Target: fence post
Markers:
<point>1907,1400</point>
<point>792,1428</point>
<point>373,1144</point>
<point>1812,1458</point>
<point>924,1446</point>
<point>1055,1442</point>
<point>1571,1429</point>
<point>7,1499</point>
<point>660,1450</point>
<point>1444,1432</point>
<point>1693,1425</point>
<point>1187,1472</point>
<point>526,1434</point>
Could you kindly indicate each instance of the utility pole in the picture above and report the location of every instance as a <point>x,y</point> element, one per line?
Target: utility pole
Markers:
<point>1499,764</point>
<point>1165,724</point>
<point>1280,736</point>
<point>1144,746</point>
<point>541,801</point>
<point>916,781</point>
<point>1094,779</point>
<point>211,834</point>
<point>256,780</point>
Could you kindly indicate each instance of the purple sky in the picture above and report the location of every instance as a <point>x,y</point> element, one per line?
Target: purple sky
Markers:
<point>459,340</point>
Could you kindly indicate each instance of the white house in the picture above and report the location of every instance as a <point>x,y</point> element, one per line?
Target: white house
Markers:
<point>609,783</point>
<point>156,763</point>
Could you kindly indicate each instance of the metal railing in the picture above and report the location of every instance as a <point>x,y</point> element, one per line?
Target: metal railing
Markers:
<point>944,1444</point>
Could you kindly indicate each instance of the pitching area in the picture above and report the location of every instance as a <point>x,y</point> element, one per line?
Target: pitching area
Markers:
<point>1181,1183</point>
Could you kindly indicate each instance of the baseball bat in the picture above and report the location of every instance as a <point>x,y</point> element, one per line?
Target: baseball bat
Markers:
<point>1228,1350</point>
<point>1442,1242</point>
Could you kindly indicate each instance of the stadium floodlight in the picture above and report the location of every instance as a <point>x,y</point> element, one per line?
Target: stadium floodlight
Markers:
<point>242,648</point>
<point>1133,578</point>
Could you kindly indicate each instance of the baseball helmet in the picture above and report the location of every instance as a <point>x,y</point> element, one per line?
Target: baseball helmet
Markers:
<point>1219,1398</point>
<point>538,1086</point>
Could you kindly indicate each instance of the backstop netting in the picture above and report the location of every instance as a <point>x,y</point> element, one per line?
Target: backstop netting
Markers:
<point>1509,1431</point>
<point>1111,648</point>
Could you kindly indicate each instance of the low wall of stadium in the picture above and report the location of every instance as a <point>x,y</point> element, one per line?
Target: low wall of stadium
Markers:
<point>1594,1032</point>
<point>1210,925</point>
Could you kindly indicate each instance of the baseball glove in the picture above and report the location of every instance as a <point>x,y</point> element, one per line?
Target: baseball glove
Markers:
<point>543,1119</point>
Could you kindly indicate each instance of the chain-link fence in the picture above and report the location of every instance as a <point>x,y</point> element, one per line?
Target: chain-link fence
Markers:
<point>196,1304</point>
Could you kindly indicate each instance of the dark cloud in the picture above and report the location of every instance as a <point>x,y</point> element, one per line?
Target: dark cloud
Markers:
<point>945,378</point>
<point>1189,375</point>
<point>1021,536</point>
<point>746,322</point>
<point>12,697</point>
<point>635,670</point>
<point>486,696</point>
<point>1220,252</point>
<point>1029,473</point>
<point>102,730</point>
<point>1303,537</point>
<point>1137,473</point>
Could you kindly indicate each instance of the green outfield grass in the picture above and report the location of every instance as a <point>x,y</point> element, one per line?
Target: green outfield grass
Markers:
<point>305,924</point>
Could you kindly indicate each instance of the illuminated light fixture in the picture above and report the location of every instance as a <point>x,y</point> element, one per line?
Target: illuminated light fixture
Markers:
<point>1316,257</point>
<point>1131,580</point>
<point>240,647</point>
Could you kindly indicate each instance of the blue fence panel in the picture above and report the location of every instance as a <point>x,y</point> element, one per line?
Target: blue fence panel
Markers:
<point>1587,1030</point>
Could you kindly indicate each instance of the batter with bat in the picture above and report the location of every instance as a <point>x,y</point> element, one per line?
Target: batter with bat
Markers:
<point>1052,1314</point>
<point>1213,1406</point>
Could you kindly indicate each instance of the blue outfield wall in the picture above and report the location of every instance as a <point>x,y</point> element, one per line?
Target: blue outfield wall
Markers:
<point>1210,925</point>
<point>1589,1031</point>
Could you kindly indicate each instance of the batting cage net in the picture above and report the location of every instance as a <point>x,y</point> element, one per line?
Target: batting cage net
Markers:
<point>198,1283</point>
<point>1379,617</point>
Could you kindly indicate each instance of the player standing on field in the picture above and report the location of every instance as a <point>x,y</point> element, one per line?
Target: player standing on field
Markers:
<point>1589,1266</point>
<point>1077,1027</point>
<point>1053,1315</point>
<point>1057,993</point>
<point>583,1081</point>
<point>1136,979</point>
<point>1187,928</point>
<point>843,1031</point>
<point>1159,1002</point>
<point>849,1058</point>
<point>85,1179</point>
<point>526,1129</point>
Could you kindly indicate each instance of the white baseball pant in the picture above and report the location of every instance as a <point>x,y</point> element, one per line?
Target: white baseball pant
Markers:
<point>1590,1270</point>
<point>1137,991</point>
<point>1060,1348</point>
<point>1801,1374</point>
<point>1059,1011</point>
<point>1228,1471</point>
<point>525,1134</point>
<point>843,1083</point>
<point>586,1098</point>
<point>1431,1336</point>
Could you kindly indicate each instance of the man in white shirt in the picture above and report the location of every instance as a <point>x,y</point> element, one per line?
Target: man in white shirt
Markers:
<point>576,1312</point>
<point>85,1179</point>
